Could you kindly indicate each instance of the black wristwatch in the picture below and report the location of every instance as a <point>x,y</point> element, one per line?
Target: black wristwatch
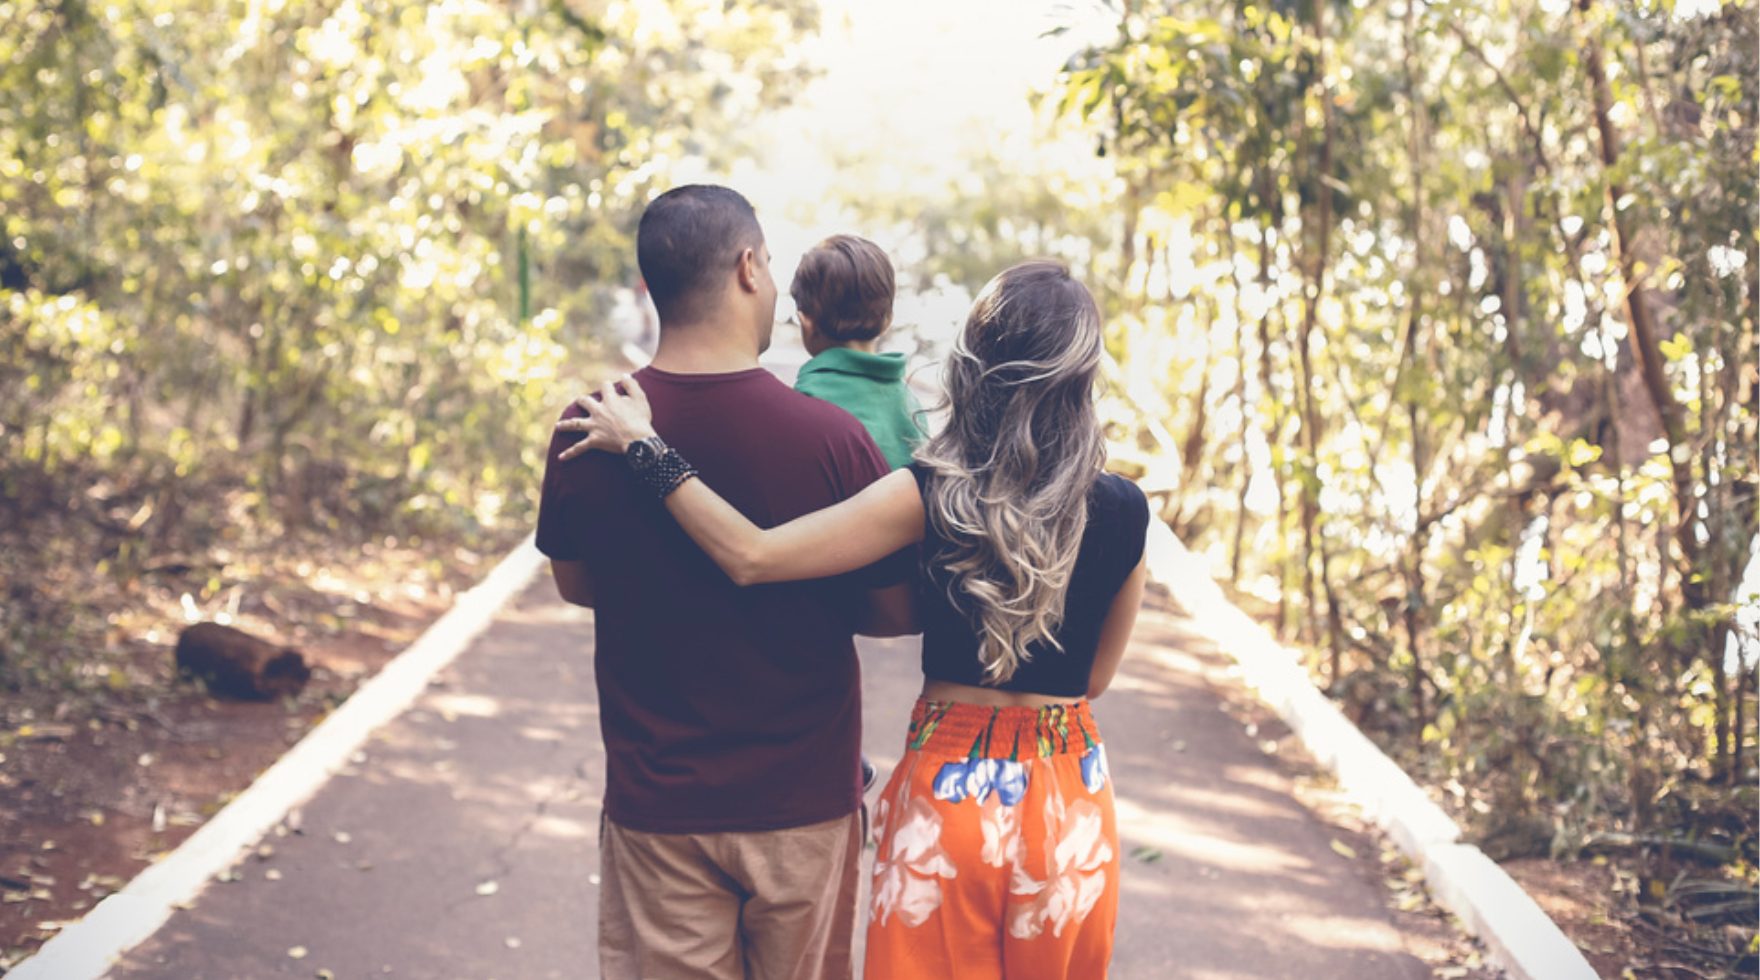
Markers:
<point>644,454</point>
<point>659,466</point>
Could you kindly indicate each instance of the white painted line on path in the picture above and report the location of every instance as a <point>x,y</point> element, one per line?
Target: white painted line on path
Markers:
<point>1520,936</point>
<point>87,948</point>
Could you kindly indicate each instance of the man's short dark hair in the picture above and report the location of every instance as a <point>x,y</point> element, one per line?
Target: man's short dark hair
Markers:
<point>845,285</point>
<point>689,239</point>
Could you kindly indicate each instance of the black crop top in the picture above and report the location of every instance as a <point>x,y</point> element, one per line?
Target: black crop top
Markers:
<point>1112,545</point>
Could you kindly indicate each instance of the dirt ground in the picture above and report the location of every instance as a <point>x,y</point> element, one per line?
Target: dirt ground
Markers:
<point>95,783</point>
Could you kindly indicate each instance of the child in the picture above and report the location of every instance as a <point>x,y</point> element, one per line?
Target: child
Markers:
<point>843,291</point>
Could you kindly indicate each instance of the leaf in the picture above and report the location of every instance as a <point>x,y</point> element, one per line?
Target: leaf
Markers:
<point>1184,198</point>
<point>297,952</point>
<point>488,888</point>
<point>1342,848</point>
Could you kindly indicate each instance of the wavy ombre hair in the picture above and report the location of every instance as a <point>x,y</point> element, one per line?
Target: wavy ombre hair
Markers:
<point>1010,473</point>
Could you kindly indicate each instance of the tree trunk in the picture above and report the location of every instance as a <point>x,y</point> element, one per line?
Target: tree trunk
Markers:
<point>1192,452</point>
<point>1273,426</point>
<point>1741,386</point>
<point>1240,400</point>
<point>1313,536</point>
<point>1717,503</point>
<point>1642,320</point>
<point>1416,290</point>
<point>1739,724</point>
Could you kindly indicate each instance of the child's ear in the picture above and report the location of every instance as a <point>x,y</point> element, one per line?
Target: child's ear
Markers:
<point>807,331</point>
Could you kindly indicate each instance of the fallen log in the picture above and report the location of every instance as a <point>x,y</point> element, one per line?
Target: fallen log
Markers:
<point>236,664</point>
<point>1705,852</point>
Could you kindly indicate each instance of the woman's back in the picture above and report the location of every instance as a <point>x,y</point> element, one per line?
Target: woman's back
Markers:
<point>1111,547</point>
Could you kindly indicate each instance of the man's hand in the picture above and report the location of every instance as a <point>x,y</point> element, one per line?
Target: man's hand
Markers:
<point>614,419</point>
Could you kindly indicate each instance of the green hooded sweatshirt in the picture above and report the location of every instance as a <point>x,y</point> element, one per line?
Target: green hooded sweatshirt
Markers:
<point>871,387</point>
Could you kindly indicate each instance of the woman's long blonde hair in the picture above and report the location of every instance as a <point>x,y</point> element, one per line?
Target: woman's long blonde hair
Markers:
<point>1010,473</point>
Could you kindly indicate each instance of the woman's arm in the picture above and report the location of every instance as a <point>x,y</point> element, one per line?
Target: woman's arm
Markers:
<point>1115,632</point>
<point>885,516</point>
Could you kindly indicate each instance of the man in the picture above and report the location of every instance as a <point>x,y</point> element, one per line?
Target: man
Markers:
<point>731,717</point>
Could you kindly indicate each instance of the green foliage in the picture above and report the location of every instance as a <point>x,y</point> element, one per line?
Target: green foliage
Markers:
<point>304,235</point>
<point>1001,211</point>
<point>333,264</point>
<point>1378,260</point>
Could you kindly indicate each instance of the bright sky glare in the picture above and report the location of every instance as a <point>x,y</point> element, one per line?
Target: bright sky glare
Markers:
<point>908,90</point>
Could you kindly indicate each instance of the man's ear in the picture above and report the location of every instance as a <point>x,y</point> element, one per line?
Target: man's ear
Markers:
<point>747,269</point>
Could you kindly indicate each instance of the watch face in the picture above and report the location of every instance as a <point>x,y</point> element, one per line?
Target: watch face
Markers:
<point>642,453</point>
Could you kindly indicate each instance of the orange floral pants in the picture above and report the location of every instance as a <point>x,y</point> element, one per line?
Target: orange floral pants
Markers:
<point>997,848</point>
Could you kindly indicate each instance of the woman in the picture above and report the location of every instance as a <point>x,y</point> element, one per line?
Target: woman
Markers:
<point>997,843</point>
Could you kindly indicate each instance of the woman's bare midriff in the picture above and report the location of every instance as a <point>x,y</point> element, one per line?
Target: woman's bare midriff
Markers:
<point>936,690</point>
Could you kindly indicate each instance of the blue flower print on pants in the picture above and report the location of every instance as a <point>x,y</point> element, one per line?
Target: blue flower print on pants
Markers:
<point>1011,781</point>
<point>977,778</point>
<point>950,782</point>
<point>1094,770</point>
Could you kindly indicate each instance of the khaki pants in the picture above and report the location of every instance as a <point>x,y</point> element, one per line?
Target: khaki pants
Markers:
<point>764,905</point>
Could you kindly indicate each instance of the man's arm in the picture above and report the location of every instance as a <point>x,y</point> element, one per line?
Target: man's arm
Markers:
<point>573,582</point>
<point>891,611</point>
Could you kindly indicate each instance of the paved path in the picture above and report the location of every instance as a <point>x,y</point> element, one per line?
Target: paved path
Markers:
<point>461,842</point>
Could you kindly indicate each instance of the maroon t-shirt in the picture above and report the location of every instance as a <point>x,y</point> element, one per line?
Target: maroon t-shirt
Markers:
<point>722,708</point>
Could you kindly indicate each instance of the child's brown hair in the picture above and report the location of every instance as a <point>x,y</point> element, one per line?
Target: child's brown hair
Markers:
<point>845,285</point>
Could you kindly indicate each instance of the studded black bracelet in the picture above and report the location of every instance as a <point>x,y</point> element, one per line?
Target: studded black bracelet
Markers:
<point>667,473</point>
